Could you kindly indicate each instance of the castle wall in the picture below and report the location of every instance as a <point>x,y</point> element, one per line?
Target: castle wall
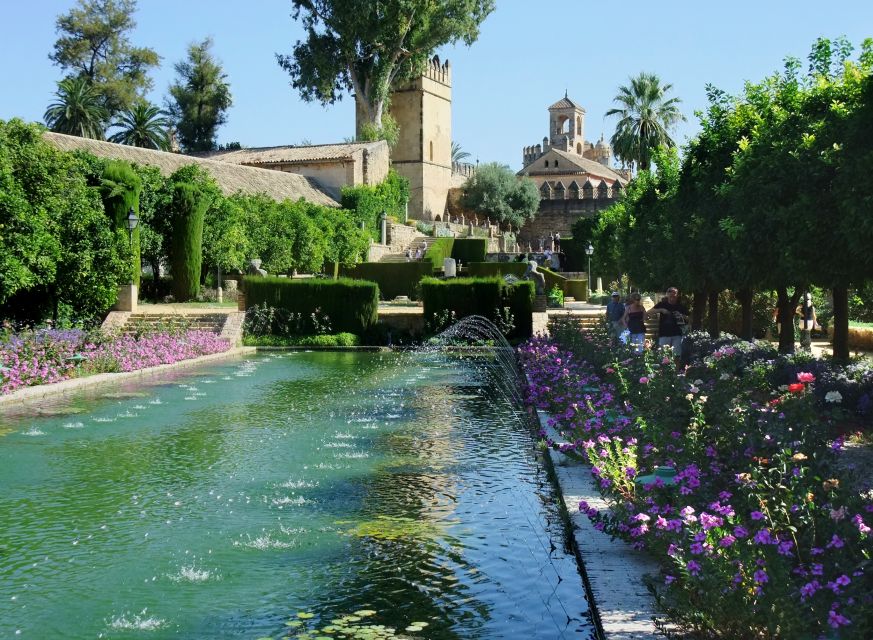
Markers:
<point>558,216</point>
<point>330,175</point>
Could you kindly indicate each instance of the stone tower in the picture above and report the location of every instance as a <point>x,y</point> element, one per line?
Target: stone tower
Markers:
<point>423,111</point>
<point>567,126</point>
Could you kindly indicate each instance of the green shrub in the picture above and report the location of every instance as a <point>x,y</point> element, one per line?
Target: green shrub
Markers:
<point>485,269</point>
<point>120,187</point>
<point>189,208</point>
<point>470,249</point>
<point>368,202</point>
<point>461,297</point>
<point>394,278</point>
<point>577,259</point>
<point>350,305</point>
<point>554,280</point>
<point>333,340</point>
<point>439,250</point>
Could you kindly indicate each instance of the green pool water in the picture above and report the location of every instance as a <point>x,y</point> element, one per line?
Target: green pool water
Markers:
<point>297,495</point>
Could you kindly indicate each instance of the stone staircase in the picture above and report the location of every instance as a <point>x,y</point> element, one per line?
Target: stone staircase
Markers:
<point>417,241</point>
<point>228,325</point>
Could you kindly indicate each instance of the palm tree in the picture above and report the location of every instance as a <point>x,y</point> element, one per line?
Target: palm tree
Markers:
<point>78,110</point>
<point>458,153</point>
<point>143,125</point>
<point>646,116</point>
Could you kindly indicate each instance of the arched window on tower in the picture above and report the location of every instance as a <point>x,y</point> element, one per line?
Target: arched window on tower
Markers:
<point>431,150</point>
<point>578,126</point>
<point>579,148</point>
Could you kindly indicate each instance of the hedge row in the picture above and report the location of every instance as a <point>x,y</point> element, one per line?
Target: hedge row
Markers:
<point>486,269</point>
<point>394,278</point>
<point>470,249</point>
<point>439,250</point>
<point>351,305</point>
<point>479,296</point>
<point>574,251</point>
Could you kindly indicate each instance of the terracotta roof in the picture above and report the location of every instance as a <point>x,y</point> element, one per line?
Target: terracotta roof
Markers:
<point>566,103</point>
<point>292,153</point>
<point>575,164</point>
<point>231,178</point>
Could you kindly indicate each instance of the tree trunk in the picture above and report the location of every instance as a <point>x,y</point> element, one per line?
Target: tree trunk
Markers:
<point>698,306</point>
<point>713,314</point>
<point>786,305</point>
<point>745,297</point>
<point>841,322</point>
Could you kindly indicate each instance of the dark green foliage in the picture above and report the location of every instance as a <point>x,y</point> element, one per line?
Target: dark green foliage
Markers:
<point>470,249</point>
<point>351,305</point>
<point>574,252</point>
<point>394,278</point>
<point>367,203</point>
<point>495,191</point>
<point>486,269</point>
<point>479,296</point>
<point>57,248</point>
<point>200,98</point>
<point>439,250</point>
<point>93,44</point>
<point>120,187</point>
<point>189,207</point>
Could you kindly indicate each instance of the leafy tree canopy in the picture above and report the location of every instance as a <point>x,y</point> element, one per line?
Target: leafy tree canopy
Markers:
<point>368,47</point>
<point>143,125</point>
<point>495,191</point>
<point>93,43</point>
<point>200,98</point>
<point>77,110</point>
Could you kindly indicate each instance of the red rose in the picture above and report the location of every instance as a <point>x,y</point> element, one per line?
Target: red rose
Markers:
<point>797,387</point>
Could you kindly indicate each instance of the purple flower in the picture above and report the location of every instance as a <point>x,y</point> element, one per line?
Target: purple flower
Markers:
<point>760,576</point>
<point>756,515</point>
<point>693,567</point>
<point>727,541</point>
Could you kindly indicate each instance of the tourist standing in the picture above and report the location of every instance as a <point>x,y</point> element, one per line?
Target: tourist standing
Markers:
<point>672,321</point>
<point>614,315</point>
<point>634,321</point>
<point>558,241</point>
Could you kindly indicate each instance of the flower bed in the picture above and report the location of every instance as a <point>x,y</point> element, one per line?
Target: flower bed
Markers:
<point>46,356</point>
<point>758,534</point>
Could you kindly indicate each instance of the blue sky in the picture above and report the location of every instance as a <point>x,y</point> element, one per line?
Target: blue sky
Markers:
<point>528,54</point>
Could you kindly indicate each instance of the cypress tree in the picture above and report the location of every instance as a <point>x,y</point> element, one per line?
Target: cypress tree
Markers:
<point>189,209</point>
<point>120,187</point>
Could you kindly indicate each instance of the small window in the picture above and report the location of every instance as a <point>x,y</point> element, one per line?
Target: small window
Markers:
<point>431,150</point>
<point>547,164</point>
<point>579,148</point>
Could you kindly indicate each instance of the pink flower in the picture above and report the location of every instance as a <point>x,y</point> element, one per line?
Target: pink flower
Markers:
<point>805,377</point>
<point>644,380</point>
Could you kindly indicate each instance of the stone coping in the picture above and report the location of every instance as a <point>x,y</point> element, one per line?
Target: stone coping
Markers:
<point>613,570</point>
<point>46,391</point>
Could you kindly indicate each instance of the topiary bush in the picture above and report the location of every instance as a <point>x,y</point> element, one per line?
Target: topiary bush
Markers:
<point>120,187</point>
<point>487,297</point>
<point>470,249</point>
<point>394,278</point>
<point>189,208</point>
<point>347,305</point>
<point>486,269</point>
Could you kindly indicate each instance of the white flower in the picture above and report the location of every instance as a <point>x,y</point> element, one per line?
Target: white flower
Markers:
<point>834,396</point>
<point>783,388</point>
<point>698,382</point>
<point>725,376</point>
<point>689,397</point>
<point>703,399</point>
<point>694,389</point>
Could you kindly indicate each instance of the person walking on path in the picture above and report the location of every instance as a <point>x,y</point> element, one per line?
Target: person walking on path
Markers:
<point>634,321</point>
<point>614,315</point>
<point>672,321</point>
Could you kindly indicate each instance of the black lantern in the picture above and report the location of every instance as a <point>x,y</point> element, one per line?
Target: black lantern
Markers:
<point>132,221</point>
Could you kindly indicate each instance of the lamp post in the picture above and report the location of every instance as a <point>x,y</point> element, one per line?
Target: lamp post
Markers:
<point>589,251</point>
<point>132,221</point>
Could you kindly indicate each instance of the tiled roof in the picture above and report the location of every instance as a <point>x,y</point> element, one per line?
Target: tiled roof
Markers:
<point>566,103</point>
<point>574,164</point>
<point>292,153</point>
<point>231,178</point>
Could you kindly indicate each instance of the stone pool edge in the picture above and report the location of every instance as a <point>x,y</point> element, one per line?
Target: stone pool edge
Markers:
<point>622,606</point>
<point>42,391</point>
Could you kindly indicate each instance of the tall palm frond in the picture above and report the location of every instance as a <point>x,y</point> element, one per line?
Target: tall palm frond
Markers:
<point>78,110</point>
<point>458,153</point>
<point>143,125</point>
<point>646,117</point>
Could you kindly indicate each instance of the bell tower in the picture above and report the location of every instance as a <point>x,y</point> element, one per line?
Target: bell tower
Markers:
<point>567,126</point>
<point>423,111</point>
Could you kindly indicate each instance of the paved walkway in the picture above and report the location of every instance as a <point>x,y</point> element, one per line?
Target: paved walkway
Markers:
<point>612,568</point>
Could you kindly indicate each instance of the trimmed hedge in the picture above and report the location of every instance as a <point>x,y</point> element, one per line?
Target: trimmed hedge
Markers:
<point>574,251</point>
<point>553,280</point>
<point>470,249</point>
<point>577,289</point>
<point>486,269</point>
<point>351,305</point>
<point>331,340</point>
<point>479,296</point>
<point>439,250</point>
<point>189,210</point>
<point>394,278</point>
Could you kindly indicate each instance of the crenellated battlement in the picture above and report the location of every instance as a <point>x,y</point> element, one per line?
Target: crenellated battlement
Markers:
<point>439,72</point>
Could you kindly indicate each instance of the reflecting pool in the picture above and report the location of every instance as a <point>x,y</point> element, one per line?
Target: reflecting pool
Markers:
<point>362,495</point>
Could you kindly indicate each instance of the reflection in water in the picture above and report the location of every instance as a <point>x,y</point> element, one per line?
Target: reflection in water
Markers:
<point>321,484</point>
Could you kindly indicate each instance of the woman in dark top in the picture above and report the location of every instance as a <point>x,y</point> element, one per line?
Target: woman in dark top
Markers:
<point>633,320</point>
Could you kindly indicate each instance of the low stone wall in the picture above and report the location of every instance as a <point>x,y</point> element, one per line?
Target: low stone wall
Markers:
<point>401,236</point>
<point>376,251</point>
